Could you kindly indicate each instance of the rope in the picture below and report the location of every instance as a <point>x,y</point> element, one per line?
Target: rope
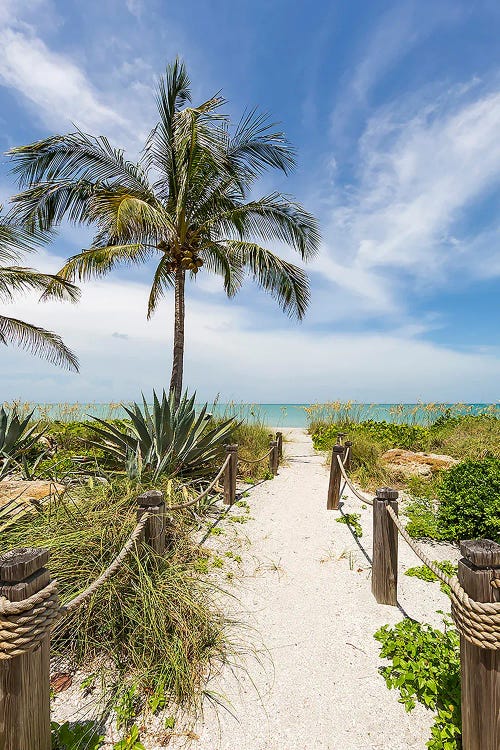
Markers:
<point>256,460</point>
<point>346,455</point>
<point>197,499</point>
<point>24,624</point>
<point>110,570</point>
<point>362,497</point>
<point>478,622</point>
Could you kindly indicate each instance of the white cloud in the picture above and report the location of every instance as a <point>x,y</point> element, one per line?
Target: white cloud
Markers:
<point>418,174</point>
<point>396,34</point>
<point>55,85</point>
<point>122,354</point>
<point>135,7</point>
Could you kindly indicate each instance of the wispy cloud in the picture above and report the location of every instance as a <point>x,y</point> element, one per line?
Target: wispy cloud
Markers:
<point>58,90</point>
<point>397,33</point>
<point>135,7</point>
<point>419,170</point>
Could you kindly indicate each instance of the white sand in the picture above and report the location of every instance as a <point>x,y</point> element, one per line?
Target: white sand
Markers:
<point>307,594</point>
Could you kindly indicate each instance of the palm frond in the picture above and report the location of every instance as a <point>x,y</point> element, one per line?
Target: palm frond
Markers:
<point>98,261</point>
<point>15,241</point>
<point>163,280</point>
<point>286,283</point>
<point>255,146</point>
<point>220,260</point>
<point>15,279</point>
<point>61,173</point>
<point>273,217</point>
<point>38,341</point>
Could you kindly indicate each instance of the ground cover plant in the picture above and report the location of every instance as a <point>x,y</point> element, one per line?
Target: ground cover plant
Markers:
<point>425,667</point>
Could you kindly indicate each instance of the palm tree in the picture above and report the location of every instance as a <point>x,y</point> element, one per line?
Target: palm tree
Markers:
<point>186,202</point>
<point>14,242</point>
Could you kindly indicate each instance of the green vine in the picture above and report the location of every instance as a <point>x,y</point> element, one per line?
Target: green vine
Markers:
<point>425,667</point>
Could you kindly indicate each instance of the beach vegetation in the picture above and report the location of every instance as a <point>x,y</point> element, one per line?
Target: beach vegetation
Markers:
<point>171,438</point>
<point>425,667</point>
<point>18,436</point>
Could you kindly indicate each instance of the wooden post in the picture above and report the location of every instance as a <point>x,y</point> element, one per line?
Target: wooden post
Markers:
<point>279,439</point>
<point>480,667</point>
<point>333,499</point>
<point>347,464</point>
<point>385,548</point>
<point>340,436</point>
<point>152,502</point>
<point>273,457</point>
<point>25,679</point>
<point>230,474</point>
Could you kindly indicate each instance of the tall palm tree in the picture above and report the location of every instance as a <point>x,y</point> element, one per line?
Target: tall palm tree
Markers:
<point>186,202</point>
<point>14,242</point>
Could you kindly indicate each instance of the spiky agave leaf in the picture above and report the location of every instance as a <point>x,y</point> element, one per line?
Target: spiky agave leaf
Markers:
<point>16,439</point>
<point>164,438</point>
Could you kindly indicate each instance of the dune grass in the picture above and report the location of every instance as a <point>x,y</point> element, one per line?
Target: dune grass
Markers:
<point>156,623</point>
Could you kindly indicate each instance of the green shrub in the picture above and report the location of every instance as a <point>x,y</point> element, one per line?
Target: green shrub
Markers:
<point>426,668</point>
<point>469,501</point>
<point>422,518</point>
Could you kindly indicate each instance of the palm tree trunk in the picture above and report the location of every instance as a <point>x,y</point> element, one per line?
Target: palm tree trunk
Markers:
<point>178,357</point>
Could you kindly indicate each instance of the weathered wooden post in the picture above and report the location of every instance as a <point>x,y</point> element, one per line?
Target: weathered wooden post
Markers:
<point>340,437</point>
<point>152,502</point>
<point>279,439</point>
<point>348,455</point>
<point>333,499</point>
<point>385,548</point>
<point>480,667</point>
<point>274,457</point>
<point>230,474</point>
<point>25,676</point>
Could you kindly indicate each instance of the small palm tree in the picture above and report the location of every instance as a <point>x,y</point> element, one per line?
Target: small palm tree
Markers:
<point>14,242</point>
<point>186,202</point>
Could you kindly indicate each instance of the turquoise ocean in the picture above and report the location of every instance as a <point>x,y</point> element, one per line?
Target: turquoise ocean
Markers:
<point>275,415</point>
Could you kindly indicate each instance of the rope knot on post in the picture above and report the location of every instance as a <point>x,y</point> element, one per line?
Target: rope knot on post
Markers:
<point>24,624</point>
<point>29,604</point>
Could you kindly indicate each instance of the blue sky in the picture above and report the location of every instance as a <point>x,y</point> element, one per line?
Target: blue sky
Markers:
<point>394,108</point>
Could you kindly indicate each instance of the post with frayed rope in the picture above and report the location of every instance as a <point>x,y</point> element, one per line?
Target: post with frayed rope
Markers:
<point>333,498</point>
<point>25,649</point>
<point>230,474</point>
<point>279,440</point>
<point>348,455</point>
<point>480,667</point>
<point>385,548</point>
<point>153,503</point>
<point>273,457</point>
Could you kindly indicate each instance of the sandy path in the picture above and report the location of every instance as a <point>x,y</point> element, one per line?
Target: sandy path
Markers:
<point>306,592</point>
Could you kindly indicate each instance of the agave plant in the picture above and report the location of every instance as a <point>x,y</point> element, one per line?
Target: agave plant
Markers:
<point>16,439</point>
<point>165,439</point>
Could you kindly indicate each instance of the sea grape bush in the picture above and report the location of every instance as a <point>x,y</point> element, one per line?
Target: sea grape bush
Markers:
<point>425,667</point>
<point>469,501</point>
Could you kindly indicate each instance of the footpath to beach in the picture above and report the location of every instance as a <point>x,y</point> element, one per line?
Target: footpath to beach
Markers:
<point>305,599</point>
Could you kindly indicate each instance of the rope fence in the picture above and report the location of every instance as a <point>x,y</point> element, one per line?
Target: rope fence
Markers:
<point>474,595</point>
<point>30,607</point>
